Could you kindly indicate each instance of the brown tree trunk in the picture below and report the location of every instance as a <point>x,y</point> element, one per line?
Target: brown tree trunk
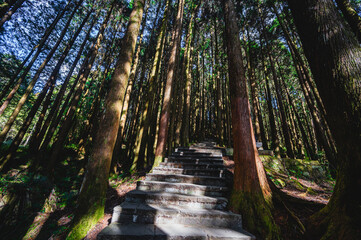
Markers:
<point>284,125</point>
<point>147,114</point>
<point>333,54</point>
<point>91,200</point>
<point>163,127</point>
<point>251,193</point>
<point>351,16</point>
<point>275,145</point>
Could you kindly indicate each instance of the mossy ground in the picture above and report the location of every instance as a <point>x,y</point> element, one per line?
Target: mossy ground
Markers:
<point>308,193</point>
<point>34,207</point>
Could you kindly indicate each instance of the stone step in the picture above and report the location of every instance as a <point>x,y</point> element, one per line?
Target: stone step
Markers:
<point>201,151</point>
<point>181,200</point>
<point>195,156</point>
<point>182,188</point>
<point>160,214</point>
<point>181,178</point>
<point>195,172</point>
<point>193,160</point>
<point>170,231</point>
<point>191,165</point>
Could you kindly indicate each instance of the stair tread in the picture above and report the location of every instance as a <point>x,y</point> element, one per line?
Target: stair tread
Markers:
<point>183,198</point>
<point>197,164</point>
<point>185,184</point>
<point>187,176</point>
<point>190,169</point>
<point>158,208</point>
<point>166,194</point>
<point>171,231</point>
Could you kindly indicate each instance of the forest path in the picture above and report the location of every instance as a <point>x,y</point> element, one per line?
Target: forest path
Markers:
<point>183,198</point>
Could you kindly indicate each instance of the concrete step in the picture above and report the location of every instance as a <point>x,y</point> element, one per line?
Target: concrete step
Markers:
<point>182,188</point>
<point>196,156</point>
<point>194,149</point>
<point>170,231</point>
<point>193,160</point>
<point>181,200</point>
<point>195,172</point>
<point>192,165</point>
<point>160,214</point>
<point>180,178</point>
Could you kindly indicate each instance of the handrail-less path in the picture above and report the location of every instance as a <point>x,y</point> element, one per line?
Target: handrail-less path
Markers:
<point>183,198</point>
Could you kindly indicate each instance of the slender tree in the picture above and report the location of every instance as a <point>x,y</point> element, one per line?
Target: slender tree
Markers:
<point>15,81</point>
<point>173,60</point>
<point>83,76</point>
<point>91,200</point>
<point>49,84</point>
<point>35,78</point>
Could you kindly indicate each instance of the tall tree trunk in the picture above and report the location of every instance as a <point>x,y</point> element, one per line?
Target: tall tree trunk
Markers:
<point>272,120</point>
<point>351,16</point>
<point>185,118</point>
<point>91,200</point>
<point>147,114</point>
<point>333,54</point>
<point>284,125</point>
<point>251,193</point>
<point>163,127</point>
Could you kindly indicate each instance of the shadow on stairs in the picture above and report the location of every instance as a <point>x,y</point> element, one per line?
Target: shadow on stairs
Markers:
<point>183,198</point>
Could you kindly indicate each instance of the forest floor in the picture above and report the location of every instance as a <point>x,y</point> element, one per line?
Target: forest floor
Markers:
<point>303,196</point>
<point>45,210</point>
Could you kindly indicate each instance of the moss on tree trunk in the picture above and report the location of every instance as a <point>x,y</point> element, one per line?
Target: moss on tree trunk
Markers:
<point>92,194</point>
<point>251,195</point>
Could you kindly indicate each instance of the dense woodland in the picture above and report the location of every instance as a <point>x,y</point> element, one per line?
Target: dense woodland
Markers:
<point>105,89</point>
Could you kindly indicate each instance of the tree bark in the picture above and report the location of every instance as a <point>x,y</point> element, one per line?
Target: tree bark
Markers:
<point>351,16</point>
<point>163,127</point>
<point>91,200</point>
<point>333,53</point>
<point>148,113</point>
<point>251,193</point>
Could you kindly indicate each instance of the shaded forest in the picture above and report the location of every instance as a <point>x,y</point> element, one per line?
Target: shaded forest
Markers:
<point>95,94</point>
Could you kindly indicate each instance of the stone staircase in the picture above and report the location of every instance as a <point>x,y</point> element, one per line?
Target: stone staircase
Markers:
<point>184,198</point>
